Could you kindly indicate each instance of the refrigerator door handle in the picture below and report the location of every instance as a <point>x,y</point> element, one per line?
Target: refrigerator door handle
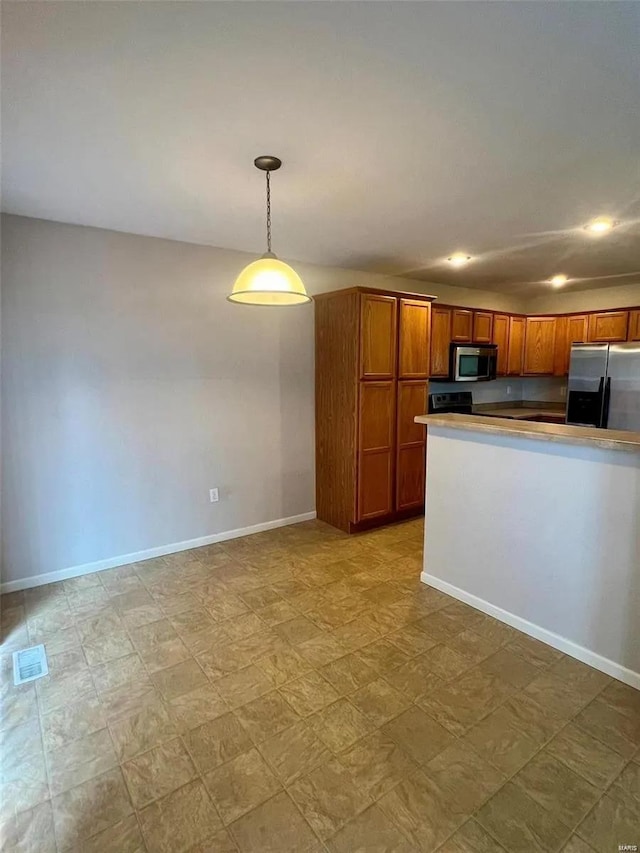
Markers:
<point>605,403</point>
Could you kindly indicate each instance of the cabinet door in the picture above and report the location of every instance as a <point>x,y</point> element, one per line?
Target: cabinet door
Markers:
<point>378,336</point>
<point>440,340</point>
<point>483,327</point>
<point>634,325</point>
<point>413,350</point>
<point>375,449</point>
<point>410,458</point>
<point>608,326</point>
<point>461,325</point>
<point>570,329</point>
<point>500,338</point>
<point>539,346</point>
<point>516,346</point>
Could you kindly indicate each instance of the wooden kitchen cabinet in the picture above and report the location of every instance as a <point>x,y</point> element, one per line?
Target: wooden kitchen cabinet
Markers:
<point>500,337</point>
<point>608,326</point>
<point>413,351</point>
<point>372,367</point>
<point>461,325</point>
<point>440,340</point>
<point>570,329</point>
<point>410,459</point>
<point>515,352</point>
<point>539,346</point>
<point>378,336</point>
<point>634,325</point>
<point>483,327</point>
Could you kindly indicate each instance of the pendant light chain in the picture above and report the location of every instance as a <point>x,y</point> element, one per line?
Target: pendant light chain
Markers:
<point>268,211</point>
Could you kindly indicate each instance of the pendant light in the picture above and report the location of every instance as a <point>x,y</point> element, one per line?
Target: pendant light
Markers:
<point>268,281</point>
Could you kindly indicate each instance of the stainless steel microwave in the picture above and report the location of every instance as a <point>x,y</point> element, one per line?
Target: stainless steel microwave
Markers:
<point>472,362</point>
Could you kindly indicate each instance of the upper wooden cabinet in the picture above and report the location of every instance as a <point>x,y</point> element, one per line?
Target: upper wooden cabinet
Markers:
<point>515,352</point>
<point>378,336</point>
<point>440,340</point>
<point>570,329</point>
<point>608,326</point>
<point>539,352</point>
<point>634,325</point>
<point>483,327</point>
<point>413,349</point>
<point>461,325</point>
<point>500,337</point>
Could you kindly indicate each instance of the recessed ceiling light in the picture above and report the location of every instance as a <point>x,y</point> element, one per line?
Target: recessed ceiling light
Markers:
<point>600,225</point>
<point>459,259</point>
<point>559,280</point>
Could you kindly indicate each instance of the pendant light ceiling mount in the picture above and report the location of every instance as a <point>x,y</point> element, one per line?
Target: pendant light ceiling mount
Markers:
<point>268,281</point>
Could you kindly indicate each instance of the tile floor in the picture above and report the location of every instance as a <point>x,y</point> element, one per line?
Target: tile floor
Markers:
<point>300,691</point>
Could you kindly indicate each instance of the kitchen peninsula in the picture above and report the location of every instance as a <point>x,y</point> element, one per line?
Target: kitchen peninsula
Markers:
<point>538,525</point>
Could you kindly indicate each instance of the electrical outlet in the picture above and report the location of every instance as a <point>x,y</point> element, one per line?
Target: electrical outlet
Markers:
<point>213,496</point>
<point>509,389</point>
<point>563,392</point>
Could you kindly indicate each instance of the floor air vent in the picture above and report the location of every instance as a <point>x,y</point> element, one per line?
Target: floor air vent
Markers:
<point>29,664</point>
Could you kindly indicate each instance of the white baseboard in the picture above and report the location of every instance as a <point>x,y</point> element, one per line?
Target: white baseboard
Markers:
<point>150,553</point>
<point>615,670</point>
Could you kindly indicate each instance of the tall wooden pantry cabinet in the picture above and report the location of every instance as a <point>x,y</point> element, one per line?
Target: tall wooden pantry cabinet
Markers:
<point>372,370</point>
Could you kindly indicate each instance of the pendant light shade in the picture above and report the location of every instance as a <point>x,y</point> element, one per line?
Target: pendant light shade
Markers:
<point>268,281</point>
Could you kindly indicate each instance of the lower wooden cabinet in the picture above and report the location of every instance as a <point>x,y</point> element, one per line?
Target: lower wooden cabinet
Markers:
<point>410,442</point>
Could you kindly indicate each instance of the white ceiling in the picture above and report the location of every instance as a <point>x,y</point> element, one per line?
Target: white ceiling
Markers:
<point>407,130</point>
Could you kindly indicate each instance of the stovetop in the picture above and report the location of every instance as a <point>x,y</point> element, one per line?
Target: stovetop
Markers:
<point>460,402</point>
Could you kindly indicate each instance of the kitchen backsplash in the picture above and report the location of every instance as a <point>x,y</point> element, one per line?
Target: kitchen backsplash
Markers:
<point>543,389</point>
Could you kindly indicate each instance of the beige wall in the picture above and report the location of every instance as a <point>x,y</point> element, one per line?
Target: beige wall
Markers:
<point>131,387</point>
<point>625,296</point>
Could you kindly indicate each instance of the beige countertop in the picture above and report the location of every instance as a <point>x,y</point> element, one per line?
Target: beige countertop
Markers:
<point>519,412</point>
<point>609,439</point>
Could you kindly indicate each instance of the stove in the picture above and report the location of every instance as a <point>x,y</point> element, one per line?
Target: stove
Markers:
<point>459,402</point>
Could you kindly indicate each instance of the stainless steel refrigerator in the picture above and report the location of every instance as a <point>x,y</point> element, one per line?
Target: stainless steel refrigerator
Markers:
<point>604,386</point>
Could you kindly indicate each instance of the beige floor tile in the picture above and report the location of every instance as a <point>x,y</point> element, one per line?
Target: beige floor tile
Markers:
<point>55,692</point>
<point>67,663</point>
<point>118,672</point>
<point>179,821</point>
<point>561,791</point>
<point>611,725</point>
<point>377,764</point>
<point>380,702</point>
<point>275,827</point>
<point>510,667</point>
<point>382,656</point>
<point>328,797</point>
<point>414,678</point>
<point>473,646</point>
<point>294,752</point>
<point>443,624</point>
<point>220,660</point>
<point>243,626</point>
<point>419,813</point>
<point>181,678</point>
<point>158,772</point>
<point>309,694</point>
<point>458,704</point>
<point>276,613</point>
<point>159,645</point>
<point>75,720</point>
<point>90,808</point>
<point>217,741</point>
<point>347,674</point>
<point>201,642</point>
<point>266,716</point>
<point>340,725</point>
<point>297,630</point>
<point>520,824</point>
<point>191,621</point>
<point>418,734</point>
<point>80,760</point>
<point>190,710</point>
<point>471,838</point>
<point>459,778</point>
<point>31,831</point>
<point>626,788</point>
<point>532,650</point>
<point>321,650</point>
<point>609,824</point>
<point>356,634</point>
<point>220,842</point>
<point>560,695</point>
<point>282,666</point>
<point>225,606</point>
<point>120,580</point>
<point>241,784</point>
<point>261,597</point>
<point>370,832</point>
<point>576,845</point>
<point>572,670</point>
<point>243,686</point>
<point>586,756</point>
<point>18,705</point>
<point>446,663</point>
<point>128,698</point>
<point>137,608</point>
<point>141,731</point>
